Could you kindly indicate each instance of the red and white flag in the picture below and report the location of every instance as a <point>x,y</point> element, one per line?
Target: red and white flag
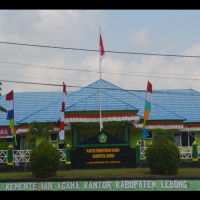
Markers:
<point>102,52</point>
<point>62,124</point>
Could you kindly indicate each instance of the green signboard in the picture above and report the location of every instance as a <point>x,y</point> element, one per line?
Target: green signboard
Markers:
<point>106,185</point>
<point>103,150</point>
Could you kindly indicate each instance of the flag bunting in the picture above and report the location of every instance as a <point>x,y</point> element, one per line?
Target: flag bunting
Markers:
<point>147,109</point>
<point>62,124</point>
<point>10,115</point>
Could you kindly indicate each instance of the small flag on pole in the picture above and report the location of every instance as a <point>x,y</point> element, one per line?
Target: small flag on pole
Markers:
<point>62,124</point>
<point>147,109</point>
<point>102,52</point>
<point>10,115</point>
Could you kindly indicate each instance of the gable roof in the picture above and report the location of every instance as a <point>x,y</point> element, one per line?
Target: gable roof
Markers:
<point>108,103</point>
<point>85,99</point>
<point>46,106</point>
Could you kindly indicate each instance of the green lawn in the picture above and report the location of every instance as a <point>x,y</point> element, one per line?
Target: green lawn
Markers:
<point>102,173</point>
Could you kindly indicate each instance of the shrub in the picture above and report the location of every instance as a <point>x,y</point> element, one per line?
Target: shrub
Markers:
<point>167,133</point>
<point>44,160</point>
<point>4,145</point>
<point>163,157</point>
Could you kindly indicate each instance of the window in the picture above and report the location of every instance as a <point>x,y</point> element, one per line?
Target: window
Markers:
<point>177,139</point>
<point>184,138</point>
<point>32,143</point>
<point>54,137</point>
<point>61,145</point>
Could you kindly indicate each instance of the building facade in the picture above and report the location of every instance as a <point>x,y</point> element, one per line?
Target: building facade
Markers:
<point>122,115</point>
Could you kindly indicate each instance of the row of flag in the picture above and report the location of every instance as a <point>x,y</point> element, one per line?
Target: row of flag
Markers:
<point>10,105</point>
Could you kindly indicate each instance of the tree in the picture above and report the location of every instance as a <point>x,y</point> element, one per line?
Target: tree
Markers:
<point>40,130</point>
<point>166,133</point>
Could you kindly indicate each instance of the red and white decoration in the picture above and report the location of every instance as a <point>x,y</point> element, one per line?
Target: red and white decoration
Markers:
<point>161,125</point>
<point>105,116</point>
<point>62,124</point>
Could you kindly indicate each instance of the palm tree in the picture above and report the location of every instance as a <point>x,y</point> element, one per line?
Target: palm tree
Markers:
<point>40,130</point>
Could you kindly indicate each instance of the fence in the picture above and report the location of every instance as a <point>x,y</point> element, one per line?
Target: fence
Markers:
<point>3,156</point>
<point>185,152</point>
<point>23,156</point>
<point>11,156</point>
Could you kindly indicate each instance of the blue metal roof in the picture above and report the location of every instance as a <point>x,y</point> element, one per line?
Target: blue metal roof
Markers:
<point>185,102</point>
<point>85,99</point>
<point>137,99</point>
<point>46,106</point>
<point>27,103</point>
<point>108,103</point>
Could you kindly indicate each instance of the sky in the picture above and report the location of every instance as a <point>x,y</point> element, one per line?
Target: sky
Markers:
<point>139,31</point>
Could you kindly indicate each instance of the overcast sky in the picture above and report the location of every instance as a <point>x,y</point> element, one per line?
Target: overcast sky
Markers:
<point>145,31</point>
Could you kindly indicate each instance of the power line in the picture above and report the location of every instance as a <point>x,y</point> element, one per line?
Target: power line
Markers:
<point>33,83</point>
<point>97,88</point>
<point>95,50</point>
<point>50,78</point>
<point>45,67</point>
<point>93,71</point>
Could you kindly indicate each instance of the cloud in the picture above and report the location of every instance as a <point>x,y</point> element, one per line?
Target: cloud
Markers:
<point>67,28</point>
<point>163,72</point>
<point>140,38</point>
<point>74,28</point>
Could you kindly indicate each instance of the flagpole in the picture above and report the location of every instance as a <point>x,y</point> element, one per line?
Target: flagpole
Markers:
<point>101,123</point>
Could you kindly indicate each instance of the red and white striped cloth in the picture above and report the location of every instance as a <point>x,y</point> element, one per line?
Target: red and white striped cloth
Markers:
<point>62,125</point>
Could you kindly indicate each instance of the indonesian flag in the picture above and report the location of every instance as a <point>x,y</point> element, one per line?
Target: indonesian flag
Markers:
<point>10,115</point>
<point>62,124</point>
<point>102,52</point>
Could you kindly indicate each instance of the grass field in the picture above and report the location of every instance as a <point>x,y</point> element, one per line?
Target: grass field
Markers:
<point>103,173</point>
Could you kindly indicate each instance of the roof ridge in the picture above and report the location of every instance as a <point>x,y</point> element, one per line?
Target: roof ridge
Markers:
<point>89,87</point>
<point>132,93</point>
<point>109,83</point>
<point>80,100</point>
<point>121,101</point>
